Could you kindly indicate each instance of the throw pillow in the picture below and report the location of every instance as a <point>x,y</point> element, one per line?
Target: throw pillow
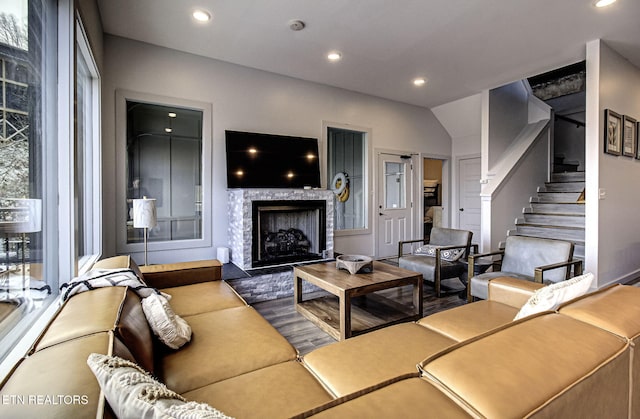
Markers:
<point>450,255</point>
<point>171,329</point>
<point>552,296</point>
<point>134,393</point>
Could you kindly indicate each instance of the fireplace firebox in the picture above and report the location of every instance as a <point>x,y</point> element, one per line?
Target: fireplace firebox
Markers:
<point>288,231</point>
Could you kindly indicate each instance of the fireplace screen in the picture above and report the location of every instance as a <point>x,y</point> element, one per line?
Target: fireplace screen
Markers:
<point>288,231</point>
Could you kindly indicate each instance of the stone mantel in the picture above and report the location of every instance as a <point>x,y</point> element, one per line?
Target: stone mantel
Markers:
<point>240,203</point>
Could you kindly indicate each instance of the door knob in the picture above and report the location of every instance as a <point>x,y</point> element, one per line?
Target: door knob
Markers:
<point>461,209</point>
<point>380,213</point>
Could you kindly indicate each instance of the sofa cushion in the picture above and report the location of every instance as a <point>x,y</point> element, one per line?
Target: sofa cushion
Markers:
<point>372,358</point>
<point>552,296</point>
<point>480,283</point>
<point>617,310</point>
<point>133,393</point>
<point>38,381</point>
<point>171,329</point>
<point>512,291</point>
<point>100,310</point>
<point>469,320</point>
<point>548,363</point>
<point>225,343</point>
<point>281,390</point>
<point>412,398</point>
<point>182,273</point>
<point>203,297</point>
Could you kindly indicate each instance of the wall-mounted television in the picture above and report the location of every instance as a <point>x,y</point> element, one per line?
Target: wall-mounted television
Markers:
<point>257,160</point>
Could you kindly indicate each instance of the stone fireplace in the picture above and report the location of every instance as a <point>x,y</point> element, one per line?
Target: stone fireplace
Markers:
<point>270,227</point>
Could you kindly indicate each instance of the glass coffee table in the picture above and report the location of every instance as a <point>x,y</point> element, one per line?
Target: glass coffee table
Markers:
<point>354,305</point>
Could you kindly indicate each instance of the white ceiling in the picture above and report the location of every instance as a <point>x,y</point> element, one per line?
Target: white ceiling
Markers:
<point>461,46</point>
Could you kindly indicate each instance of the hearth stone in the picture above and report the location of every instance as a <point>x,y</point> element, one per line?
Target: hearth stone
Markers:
<point>269,286</point>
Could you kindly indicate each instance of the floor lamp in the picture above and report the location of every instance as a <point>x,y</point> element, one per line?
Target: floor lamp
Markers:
<point>144,216</point>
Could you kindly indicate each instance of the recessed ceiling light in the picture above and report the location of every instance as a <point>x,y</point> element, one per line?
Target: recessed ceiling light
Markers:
<point>172,115</point>
<point>168,130</point>
<point>334,56</point>
<point>604,3</point>
<point>419,81</point>
<point>201,15</point>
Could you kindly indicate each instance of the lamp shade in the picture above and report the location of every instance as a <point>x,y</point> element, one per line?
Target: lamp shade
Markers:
<point>144,213</point>
<point>26,217</point>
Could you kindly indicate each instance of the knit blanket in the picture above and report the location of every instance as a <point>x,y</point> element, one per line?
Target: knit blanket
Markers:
<point>100,278</point>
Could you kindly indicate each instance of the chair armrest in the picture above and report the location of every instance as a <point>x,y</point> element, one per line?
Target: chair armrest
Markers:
<point>453,246</point>
<point>182,273</point>
<point>481,255</point>
<point>575,263</point>
<point>402,243</point>
<point>472,261</point>
<point>514,292</point>
<point>471,268</point>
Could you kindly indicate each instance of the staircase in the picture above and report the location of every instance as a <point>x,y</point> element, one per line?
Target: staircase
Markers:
<point>556,212</point>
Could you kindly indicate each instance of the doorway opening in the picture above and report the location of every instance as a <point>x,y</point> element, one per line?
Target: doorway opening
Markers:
<point>431,194</point>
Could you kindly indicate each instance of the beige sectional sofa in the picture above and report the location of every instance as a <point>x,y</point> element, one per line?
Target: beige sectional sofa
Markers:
<point>471,361</point>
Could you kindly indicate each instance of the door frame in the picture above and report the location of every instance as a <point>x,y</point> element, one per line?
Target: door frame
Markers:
<point>455,204</point>
<point>377,193</point>
<point>445,187</point>
<point>455,201</point>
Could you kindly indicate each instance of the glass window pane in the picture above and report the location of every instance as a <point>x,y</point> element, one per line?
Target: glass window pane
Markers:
<point>346,156</point>
<point>17,72</point>
<point>394,185</point>
<point>25,95</point>
<point>87,155</point>
<point>17,97</point>
<point>164,159</point>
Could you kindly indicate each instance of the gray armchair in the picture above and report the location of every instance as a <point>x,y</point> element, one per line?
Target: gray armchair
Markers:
<point>533,259</point>
<point>434,268</point>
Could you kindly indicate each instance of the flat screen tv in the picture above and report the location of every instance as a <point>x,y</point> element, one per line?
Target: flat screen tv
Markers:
<point>271,161</point>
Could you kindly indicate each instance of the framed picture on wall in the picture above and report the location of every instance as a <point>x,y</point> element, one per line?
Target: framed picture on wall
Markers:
<point>629,136</point>
<point>638,140</point>
<point>612,132</point>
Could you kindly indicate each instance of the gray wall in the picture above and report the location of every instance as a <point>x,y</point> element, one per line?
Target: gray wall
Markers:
<point>252,100</point>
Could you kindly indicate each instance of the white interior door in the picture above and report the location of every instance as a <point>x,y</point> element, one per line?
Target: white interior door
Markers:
<point>395,179</point>
<point>469,199</point>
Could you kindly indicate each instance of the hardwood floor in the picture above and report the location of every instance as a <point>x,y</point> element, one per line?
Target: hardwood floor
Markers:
<point>305,336</point>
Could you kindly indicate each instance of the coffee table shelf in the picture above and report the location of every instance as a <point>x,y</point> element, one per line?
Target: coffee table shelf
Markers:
<point>354,307</point>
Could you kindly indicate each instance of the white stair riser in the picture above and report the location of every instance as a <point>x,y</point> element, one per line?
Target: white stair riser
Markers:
<point>555,220</point>
<point>551,233</point>
<point>563,197</point>
<point>562,187</point>
<point>568,177</point>
<point>551,208</point>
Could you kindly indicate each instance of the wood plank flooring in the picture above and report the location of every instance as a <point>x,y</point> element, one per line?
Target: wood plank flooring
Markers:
<point>305,336</point>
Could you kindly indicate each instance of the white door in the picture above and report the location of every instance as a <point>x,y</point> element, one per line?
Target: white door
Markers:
<point>395,176</point>
<point>469,198</point>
